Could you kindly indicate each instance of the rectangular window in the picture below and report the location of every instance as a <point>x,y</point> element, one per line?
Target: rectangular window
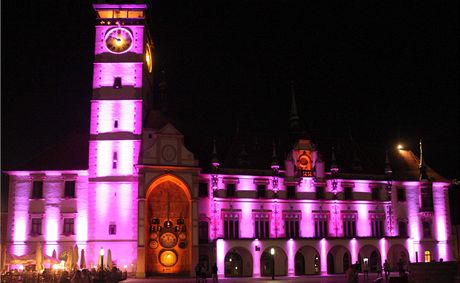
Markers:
<point>115,124</point>
<point>69,190</point>
<point>36,228</point>
<point>231,188</point>
<point>291,226</point>
<point>112,229</point>
<point>135,14</point>
<point>203,189</point>
<point>262,226</point>
<point>321,228</point>
<point>347,193</point>
<point>375,194</point>
<point>117,82</point>
<point>349,228</point>
<point>69,226</point>
<point>261,192</point>
<point>427,198</point>
<point>402,227</point>
<point>37,190</point>
<point>319,192</point>
<point>114,160</point>
<point>377,228</point>
<point>231,226</point>
<point>291,192</point>
<point>426,229</point>
<point>401,194</point>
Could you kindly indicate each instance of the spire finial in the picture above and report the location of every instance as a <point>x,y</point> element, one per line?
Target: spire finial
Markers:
<point>294,115</point>
<point>275,165</point>
<point>334,167</point>
<point>388,170</point>
<point>421,162</point>
<point>163,92</point>
<point>422,168</point>
<point>214,161</point>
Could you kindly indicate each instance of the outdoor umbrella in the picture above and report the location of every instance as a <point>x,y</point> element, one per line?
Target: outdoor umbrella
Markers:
<point>39,258</point>
<point>100,261</point>
<point>82,259</point>
<point>54,254</point>
<point>68,262</point>
<point>109,259</point>
<point>75,257</point>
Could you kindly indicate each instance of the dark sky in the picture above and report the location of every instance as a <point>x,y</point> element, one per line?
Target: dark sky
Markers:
<point>380,70</point>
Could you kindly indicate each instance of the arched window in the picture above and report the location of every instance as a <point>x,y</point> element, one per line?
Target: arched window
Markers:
<point>427,256</point>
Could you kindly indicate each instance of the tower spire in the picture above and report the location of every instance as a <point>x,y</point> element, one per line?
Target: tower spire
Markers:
<point>334,167</point>
<point>274,165</point>
<point>163,92</point>
<point>422,168</point>
<point>214,160</point>
<point>388,170</point>
<point>293,115</point>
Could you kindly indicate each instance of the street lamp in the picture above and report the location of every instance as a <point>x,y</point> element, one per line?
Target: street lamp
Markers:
<point>272,252</point>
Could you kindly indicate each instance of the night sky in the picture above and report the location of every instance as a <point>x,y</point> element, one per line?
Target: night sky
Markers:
<point>380,71</point>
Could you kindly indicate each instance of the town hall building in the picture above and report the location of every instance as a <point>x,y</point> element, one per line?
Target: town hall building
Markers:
<point>145,197</point>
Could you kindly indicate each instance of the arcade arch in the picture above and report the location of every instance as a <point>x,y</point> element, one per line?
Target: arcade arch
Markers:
<point>238,263</point>
<point>266,263</point>
<point>307,261</point>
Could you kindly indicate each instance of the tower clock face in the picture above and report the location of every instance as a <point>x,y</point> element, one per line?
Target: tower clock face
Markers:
<point>118,40</point>
<point>168,240</point>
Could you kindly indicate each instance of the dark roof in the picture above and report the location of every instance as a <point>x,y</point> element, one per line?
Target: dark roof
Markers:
<point>251,151</point>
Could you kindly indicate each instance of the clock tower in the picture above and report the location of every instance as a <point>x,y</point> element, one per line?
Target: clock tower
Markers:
<point>121,81</point>
<point>122,85</point>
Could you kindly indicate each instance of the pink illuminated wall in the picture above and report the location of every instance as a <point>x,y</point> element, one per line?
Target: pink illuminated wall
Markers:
<point>104,153</point>
<point>110,116</point>
<point>105,73</point>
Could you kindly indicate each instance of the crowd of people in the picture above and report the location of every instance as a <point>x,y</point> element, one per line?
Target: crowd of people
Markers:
<point>354,269</point>
<point>201,273</point>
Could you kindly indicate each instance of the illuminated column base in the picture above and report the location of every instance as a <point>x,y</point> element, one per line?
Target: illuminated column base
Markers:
<point>140,269</point>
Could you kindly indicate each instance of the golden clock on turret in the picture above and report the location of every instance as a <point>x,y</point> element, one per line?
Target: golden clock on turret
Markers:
<point>118,40</point>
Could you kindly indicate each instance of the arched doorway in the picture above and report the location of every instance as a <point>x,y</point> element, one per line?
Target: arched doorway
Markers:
<point>372,255</point>
<point>280,262</point>
<point>338,260</point>
<point>168,227</point>
<point>311,261</point>
<point>395,253</point>
<point>238,263</point>
<point>299,264</point>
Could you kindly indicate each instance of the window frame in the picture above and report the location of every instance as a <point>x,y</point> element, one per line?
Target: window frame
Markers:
<point>37,189</point>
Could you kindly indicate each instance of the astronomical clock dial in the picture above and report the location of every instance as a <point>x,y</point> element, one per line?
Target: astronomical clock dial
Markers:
<point>168,258</point>
<point>153,244</point>
<point>182,236</point>
<point>118,40</point>
<point>168,240</point>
